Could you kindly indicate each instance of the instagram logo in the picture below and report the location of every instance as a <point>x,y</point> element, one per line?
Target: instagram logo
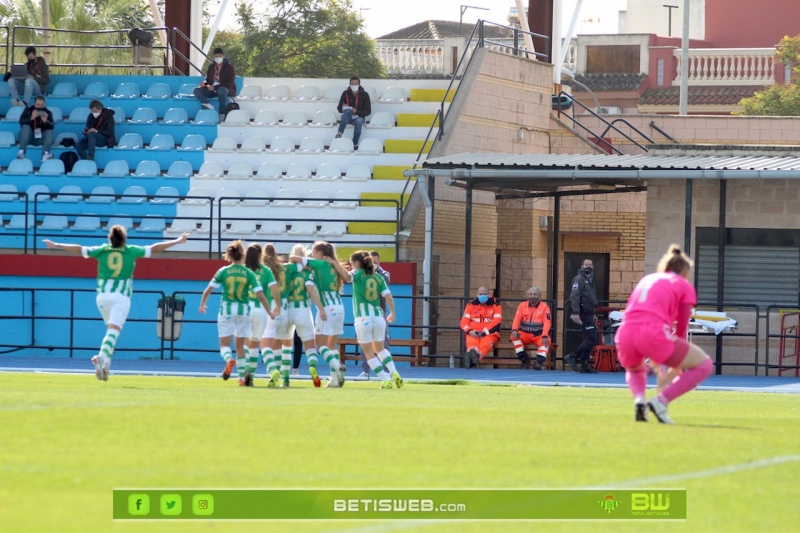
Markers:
<point>202,504</point>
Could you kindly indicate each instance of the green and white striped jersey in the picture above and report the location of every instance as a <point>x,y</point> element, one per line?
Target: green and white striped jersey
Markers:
<point>297,278</point>
<point>236,281</point>
<point>266,279</point>
<point>115,266</point>
<point>367,292</point>
<point>326,279</point>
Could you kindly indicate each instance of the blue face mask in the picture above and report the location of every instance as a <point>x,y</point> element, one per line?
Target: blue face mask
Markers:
<point>483,298</point>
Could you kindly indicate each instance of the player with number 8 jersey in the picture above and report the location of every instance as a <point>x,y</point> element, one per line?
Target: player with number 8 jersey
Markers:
<point>116,262</point>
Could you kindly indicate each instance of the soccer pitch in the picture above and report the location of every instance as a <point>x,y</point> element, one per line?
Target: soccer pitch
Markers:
<point>68,440</point>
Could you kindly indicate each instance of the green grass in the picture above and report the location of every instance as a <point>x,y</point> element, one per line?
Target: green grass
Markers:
<point>66,441</point>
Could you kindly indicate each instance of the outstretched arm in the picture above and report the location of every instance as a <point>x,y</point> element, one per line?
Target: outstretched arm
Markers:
<point>70,248</point>
<point>344,274</point>
<point>161,246</point>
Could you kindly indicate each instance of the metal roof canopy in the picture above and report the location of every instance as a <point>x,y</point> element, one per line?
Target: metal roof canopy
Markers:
<point>556,175</point>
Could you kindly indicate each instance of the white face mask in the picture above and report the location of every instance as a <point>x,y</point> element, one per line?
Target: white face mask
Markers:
<point>218,60</point>
<point>354,88</point>
<point>95,115</point>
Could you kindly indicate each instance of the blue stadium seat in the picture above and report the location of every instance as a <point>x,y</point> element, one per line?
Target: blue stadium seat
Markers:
<point>38,193</point>
<point>64,89</point>
<point>166,195</point>
<point>102,194</point>
<point>158,91</point>
<point>13,114</point>
<point>179,169</point>
<point>86,223</point>
<point>78,115</point>
<point>119,115</point>
<point>7,139</point>
<point>58,115</point>
<point>204,116</point>
<point>135,194</point>
<point>130,141</point>
<point>126,91</point>
<point>147,169</point>
<point>161,141</point>
<point>69,194</point>
<point>19,167</point>
<point>96,89</point>
<point>186,90</point>
<point>193,142</point>
<point>121,220</point>
<point>84,168</point>
<point>152,224</point>
<point>116,168</point>
<point>144,115</point>
<point>51,167</point>
<point>8,192</point>
<point>175,116</point>
<point>54,223</point>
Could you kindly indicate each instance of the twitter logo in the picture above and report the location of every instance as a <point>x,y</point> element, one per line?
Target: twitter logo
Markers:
<point>171,504</point>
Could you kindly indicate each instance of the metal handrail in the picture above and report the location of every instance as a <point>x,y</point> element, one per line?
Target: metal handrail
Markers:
<point>662,132</point>
<point>631,126</point>
<point>176,32</point>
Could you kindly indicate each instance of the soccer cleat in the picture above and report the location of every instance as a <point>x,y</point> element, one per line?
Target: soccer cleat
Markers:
<point>570,360</point>
<point>641,412</point>
<point>274,378</point>
<point>285,384</point>
<point>363,375</point>
<point>660,410</point>
<point>241,382</point>
<point>228,369</point>
<point>387,384</point>
<point>314,376</point>
<point>398,381</point>
<point>248,378</point>
<point>98,368</point>
<point>334,382</point>
<point>340,373</point>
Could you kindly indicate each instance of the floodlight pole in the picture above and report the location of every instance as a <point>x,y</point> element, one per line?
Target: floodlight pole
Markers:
<point>684,92</point>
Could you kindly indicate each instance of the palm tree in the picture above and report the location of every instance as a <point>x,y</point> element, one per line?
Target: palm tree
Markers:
<point>77,16</point>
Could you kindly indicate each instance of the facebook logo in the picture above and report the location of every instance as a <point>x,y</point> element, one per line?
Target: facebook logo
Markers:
<point>138,504</point>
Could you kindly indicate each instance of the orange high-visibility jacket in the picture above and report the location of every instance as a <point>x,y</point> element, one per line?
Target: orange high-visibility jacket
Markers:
<point>533,320</point>
<point>482,317</point>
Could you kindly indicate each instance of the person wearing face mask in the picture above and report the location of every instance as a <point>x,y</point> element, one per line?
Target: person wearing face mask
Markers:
<point>220,82</point>
<point>355,107</point>
<point>36,82</point>
<point>36,128</point>
<point>531,326</point>
<point>583,300</point>
<point>481,325</point>
<point>99,130</point>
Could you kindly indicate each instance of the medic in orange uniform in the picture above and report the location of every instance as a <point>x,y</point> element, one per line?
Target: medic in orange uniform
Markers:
<point>532,326</point>
<point>481,324</point>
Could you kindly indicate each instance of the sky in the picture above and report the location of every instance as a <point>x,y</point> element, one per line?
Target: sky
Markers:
<point>385,16</point>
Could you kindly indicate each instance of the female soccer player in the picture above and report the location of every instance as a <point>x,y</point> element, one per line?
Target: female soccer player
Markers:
<point>270,343</point>
<point>300,287</point>
<point>234,310</point>
<point>115,264</point>
<point>329,284</point>
<point>368,287</point>
<point>259,315</point>
<point>659,301</point>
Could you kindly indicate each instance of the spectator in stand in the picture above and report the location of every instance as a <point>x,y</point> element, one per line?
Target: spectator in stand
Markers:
<point>220,82</point>
<point>532,327</point>
<point>36,128</point>
<point>99,130</point>
<point>481,325</point>
<point>36,82</point>
<point>354,105</point>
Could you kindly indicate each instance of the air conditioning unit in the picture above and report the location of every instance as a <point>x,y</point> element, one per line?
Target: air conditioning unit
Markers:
<point>610,110</point>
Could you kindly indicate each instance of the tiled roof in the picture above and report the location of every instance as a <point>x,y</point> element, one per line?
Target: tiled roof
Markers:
<point>608,82</point>
<point>439,29</point>
<point>704,95</point>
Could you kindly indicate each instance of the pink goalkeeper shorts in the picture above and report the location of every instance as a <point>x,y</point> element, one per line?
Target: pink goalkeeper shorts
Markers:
<point>635,342</point>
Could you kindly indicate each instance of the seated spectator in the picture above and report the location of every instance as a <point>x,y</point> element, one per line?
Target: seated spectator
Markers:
<point>481,325</point>
<point>99,130</point>
<point>220,82</point>
<point>531,325</point>
<point>36,128</point>
<point>355,107</point>
<point>36,82</point>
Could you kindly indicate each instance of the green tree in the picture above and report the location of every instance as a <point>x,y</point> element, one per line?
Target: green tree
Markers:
<point>77,15</point>
<point>301,38</point>
<point>779,100</point>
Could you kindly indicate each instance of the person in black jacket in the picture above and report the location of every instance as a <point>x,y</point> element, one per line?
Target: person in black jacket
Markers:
<point>99,130</point>
<point>220,82</point>
<point>355,107</point>
<point>36,82</point>
<point>583,300</point>
<point>36,128</point>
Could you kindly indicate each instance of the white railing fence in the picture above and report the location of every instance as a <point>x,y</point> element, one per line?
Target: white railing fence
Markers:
<point>727,66</point>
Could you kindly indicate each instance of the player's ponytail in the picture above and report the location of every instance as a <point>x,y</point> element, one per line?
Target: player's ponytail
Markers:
<point>252,257</point>
<point>675,261</point>
<point>327,250</point>
<point>271,259</point>
<point>117,236</point>
<point>364,260</point>
<point>235,252</point>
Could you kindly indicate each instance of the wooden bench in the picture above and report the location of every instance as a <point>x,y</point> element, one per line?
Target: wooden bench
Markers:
<point>512,360</point>
<point>415,358</point>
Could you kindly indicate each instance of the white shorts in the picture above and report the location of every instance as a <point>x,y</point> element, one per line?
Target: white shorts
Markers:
<point>114,307</point>
<point>334,325</point>
<point>275,326</point>
<point>303,322</point>
<point>236,325</point>
<point>258,322</point>
<point>370,329</point>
